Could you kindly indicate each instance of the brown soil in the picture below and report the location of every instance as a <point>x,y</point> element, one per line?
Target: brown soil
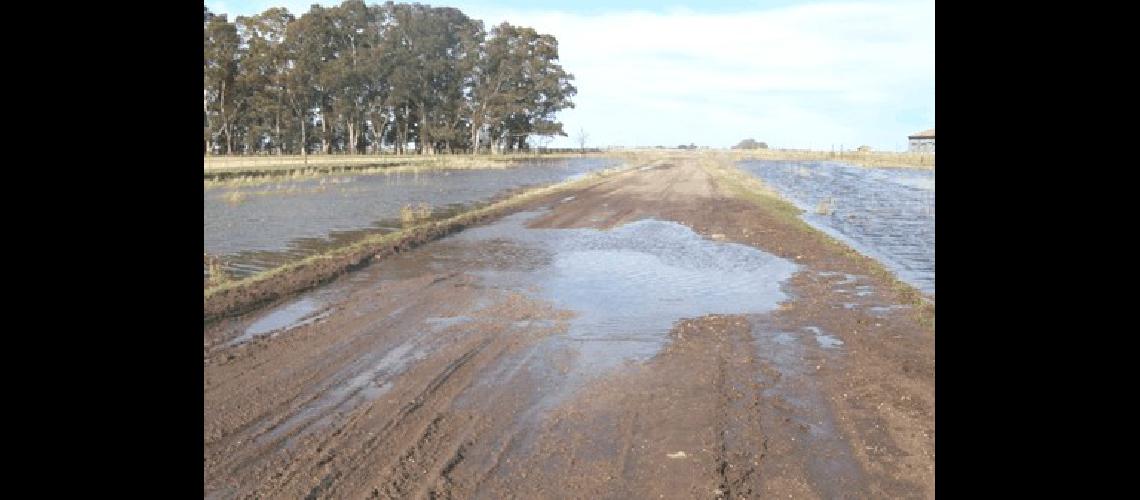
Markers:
<point>468,411</point>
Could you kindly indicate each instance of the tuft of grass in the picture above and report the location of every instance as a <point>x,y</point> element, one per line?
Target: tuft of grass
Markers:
<point>824,207</point>
<point>236,197</point>
<point>412,214</point>
<point>407,215</point>
<point>218,275</point>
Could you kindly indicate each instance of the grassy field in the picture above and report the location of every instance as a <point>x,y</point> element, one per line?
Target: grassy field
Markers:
<point>252,170</point>
<point>271,163</point>
<point>876,159</point>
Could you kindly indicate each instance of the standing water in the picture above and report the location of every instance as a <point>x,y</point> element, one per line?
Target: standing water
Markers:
<point>255,228</point>
<point>884,213</point>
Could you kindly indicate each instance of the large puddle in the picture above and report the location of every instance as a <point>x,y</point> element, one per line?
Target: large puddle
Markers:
<point>887,214</point>
<point>627,286</point>
<point>260,227</point>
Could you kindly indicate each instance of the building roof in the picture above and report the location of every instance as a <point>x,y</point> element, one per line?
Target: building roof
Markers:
<point>925,133</point>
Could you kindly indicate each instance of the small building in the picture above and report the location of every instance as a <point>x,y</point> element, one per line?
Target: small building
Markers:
<point>921,142</point>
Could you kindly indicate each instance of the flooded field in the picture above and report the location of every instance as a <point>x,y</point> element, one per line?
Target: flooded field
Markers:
<point>887,214</point>
<point>254,228</point>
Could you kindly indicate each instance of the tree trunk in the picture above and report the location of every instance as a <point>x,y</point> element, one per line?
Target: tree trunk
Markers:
<point>351,137</point>
<point>304,152</point>
<point>326,148</point>
<point>380,138</point>
<point>403,136</point>
<point>209,128</point>
<point>475,140</point>
<point>401,130</point>
<point>425,135</point>
<point>225,127</point>
<point>376,135</point>
<point>229,140</point>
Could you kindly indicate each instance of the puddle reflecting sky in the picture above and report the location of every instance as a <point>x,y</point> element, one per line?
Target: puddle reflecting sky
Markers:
<point>630,284</point>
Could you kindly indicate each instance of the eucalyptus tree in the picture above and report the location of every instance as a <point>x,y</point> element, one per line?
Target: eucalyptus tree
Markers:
<point>221,52</point>
<point>367,75</point>
<point>307,43</point>
<point>518,86</point>
<point>344,75</point>
<point>264,71</point>
<point>424,47</point>
<point>545,89</point>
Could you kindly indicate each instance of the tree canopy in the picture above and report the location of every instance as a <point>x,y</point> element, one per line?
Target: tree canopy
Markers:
<point>359,78</point>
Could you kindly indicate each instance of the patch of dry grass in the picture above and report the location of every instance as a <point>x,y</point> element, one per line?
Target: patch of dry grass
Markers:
<point>218,275</point>
<point>249,171</point>
<point>235,197</point>
<point>411,214</point>
<point>824,207</point>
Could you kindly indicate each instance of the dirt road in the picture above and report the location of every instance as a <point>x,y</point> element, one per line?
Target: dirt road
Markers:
<point>649,336</point>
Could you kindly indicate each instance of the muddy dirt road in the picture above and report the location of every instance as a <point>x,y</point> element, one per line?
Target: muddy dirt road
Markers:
<point>648,336</point>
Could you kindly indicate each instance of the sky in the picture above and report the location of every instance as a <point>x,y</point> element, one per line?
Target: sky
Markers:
<point>794,74</point>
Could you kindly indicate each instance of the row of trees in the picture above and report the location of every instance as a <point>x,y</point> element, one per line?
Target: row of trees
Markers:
<point>361,79</point>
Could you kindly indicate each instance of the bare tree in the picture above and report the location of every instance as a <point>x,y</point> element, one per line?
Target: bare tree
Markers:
<point>582,136</point>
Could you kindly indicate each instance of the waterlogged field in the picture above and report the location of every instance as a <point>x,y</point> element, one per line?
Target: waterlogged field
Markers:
<point>258,227</point>
<point>887,214</point>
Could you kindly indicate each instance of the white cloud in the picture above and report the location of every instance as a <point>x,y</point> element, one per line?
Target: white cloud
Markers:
<point>845,73</point>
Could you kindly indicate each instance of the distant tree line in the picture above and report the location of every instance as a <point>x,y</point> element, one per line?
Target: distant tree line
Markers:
<point>360,79</point>
<point>750,144</point>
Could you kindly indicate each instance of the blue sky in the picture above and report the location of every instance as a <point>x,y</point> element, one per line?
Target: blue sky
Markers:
<point>795,74</point>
